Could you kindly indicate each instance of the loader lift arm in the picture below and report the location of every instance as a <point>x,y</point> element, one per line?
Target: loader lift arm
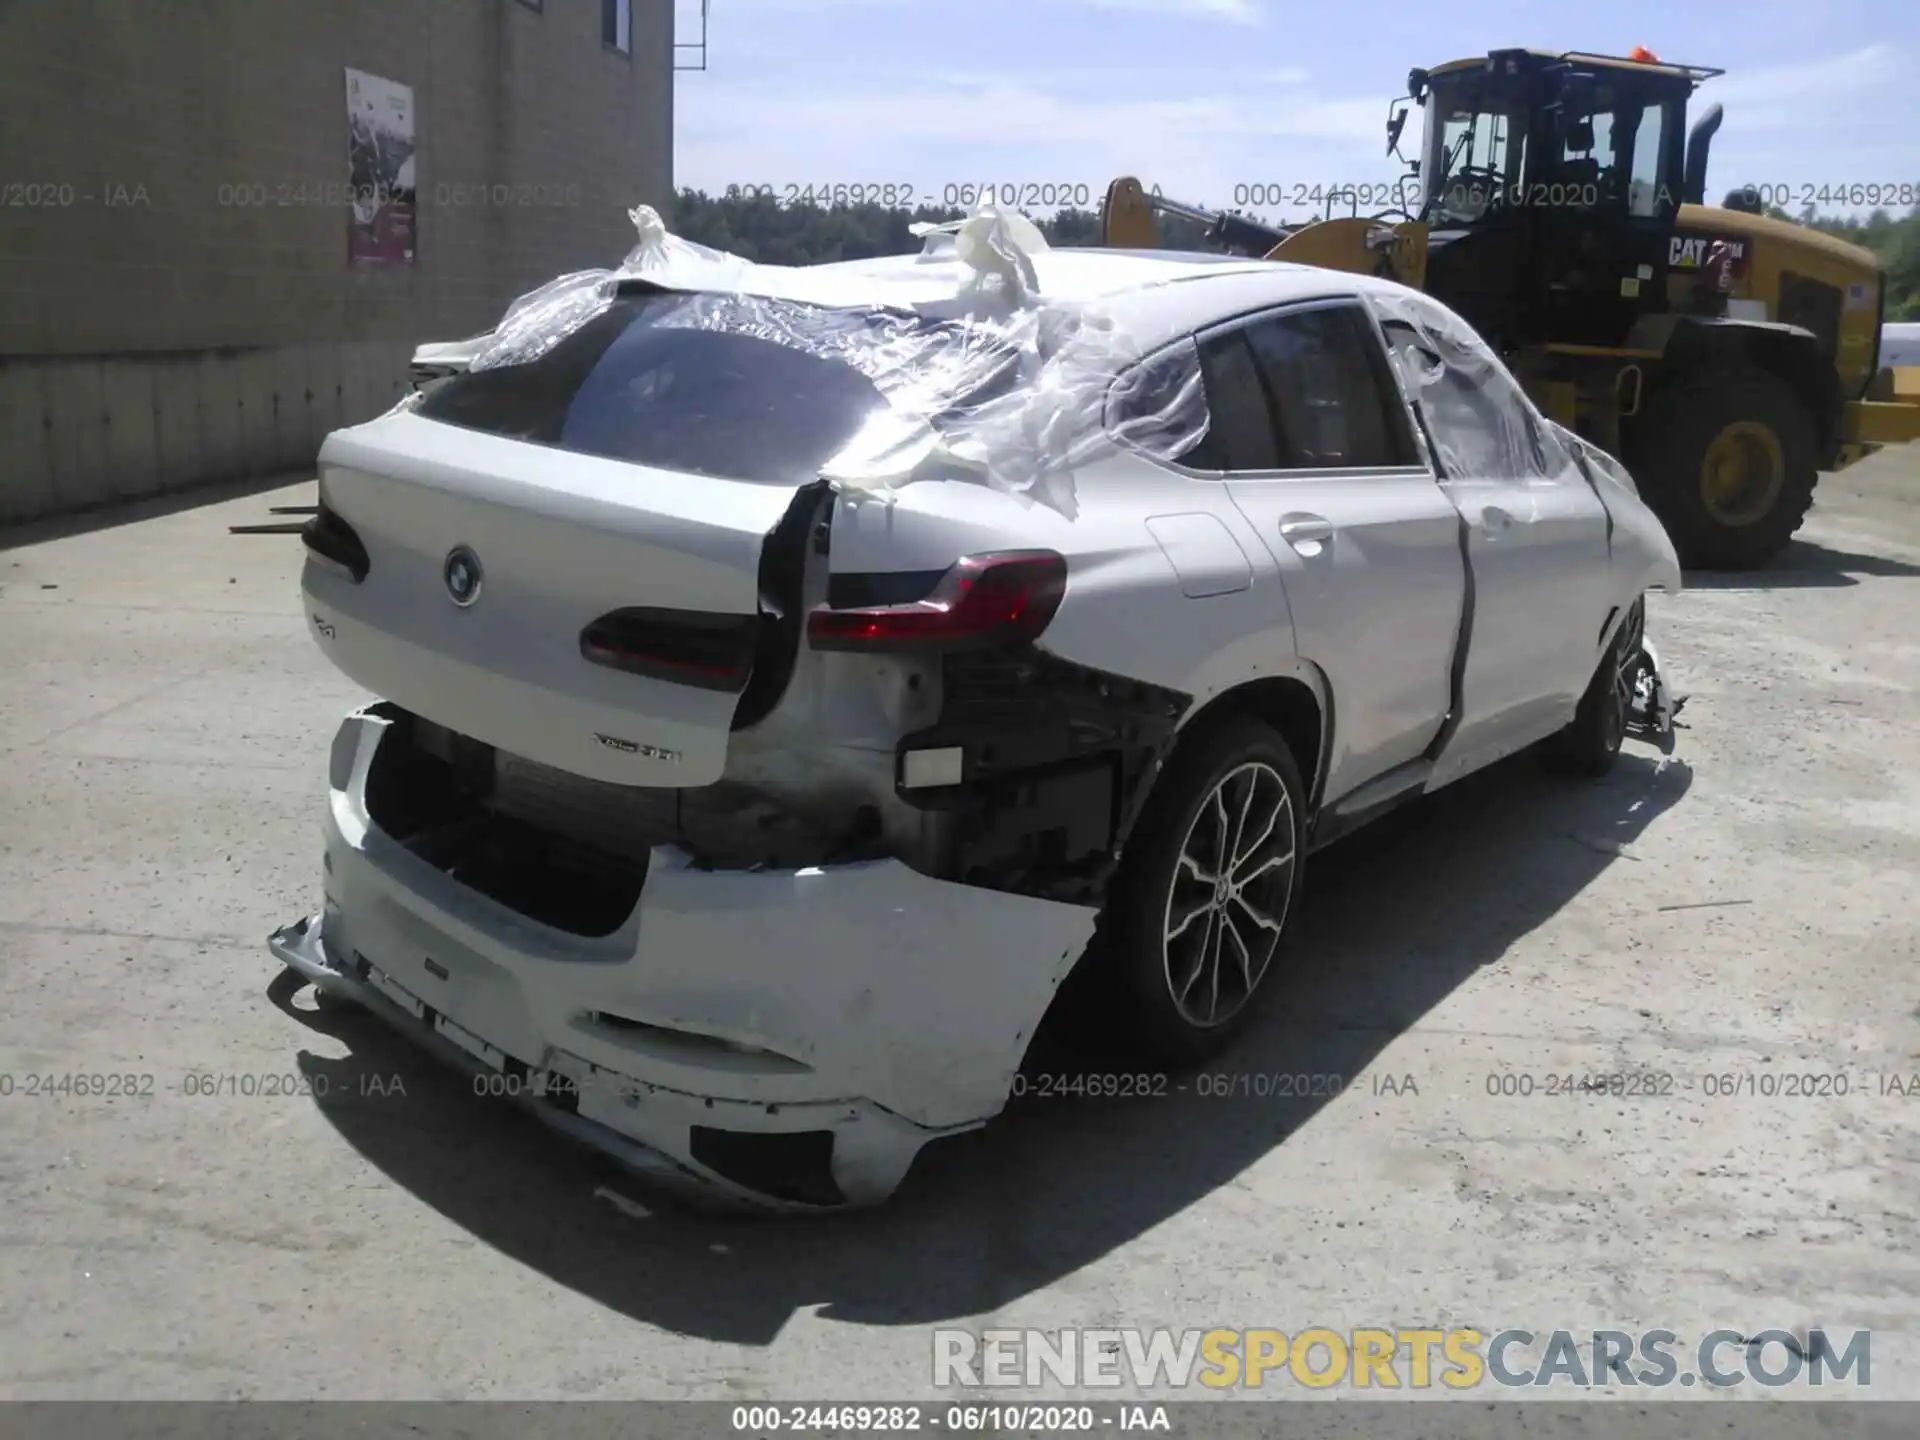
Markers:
<point>1133,219</point>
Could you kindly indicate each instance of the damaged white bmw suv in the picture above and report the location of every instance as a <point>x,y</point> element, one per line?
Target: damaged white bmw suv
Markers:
<point>787,675</point>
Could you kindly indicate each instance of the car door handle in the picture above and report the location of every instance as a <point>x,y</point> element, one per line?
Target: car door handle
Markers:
<point>1494,518</point>
<point>1308,530</point>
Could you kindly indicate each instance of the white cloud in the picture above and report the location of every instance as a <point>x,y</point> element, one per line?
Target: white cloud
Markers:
<point>1777,96</point>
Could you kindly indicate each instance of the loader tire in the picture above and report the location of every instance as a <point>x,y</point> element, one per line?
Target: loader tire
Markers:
<point>1727,460</point>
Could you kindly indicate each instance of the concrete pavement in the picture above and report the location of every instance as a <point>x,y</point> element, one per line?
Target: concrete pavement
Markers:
<point>1734,916</point>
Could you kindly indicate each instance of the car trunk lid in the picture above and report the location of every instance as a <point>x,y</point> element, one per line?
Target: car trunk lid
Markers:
<point>552,547</point>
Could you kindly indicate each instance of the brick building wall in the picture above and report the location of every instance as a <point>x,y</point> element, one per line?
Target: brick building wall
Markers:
<point>176,300</point>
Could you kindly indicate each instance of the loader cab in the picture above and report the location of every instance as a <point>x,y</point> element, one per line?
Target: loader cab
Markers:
<point>1550,185</point>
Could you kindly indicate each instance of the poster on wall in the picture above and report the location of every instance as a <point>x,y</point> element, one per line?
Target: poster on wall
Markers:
<point>380,226</point>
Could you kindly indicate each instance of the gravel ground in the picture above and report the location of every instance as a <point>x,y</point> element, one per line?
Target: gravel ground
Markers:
<point>1739,914</point>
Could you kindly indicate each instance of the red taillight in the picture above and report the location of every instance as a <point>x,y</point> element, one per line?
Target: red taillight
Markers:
<point>983,601</point>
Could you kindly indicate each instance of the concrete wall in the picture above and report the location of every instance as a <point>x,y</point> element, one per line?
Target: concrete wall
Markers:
<point>176,302</point>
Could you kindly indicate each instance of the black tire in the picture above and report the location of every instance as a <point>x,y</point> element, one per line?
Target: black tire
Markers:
<point>1731,413</point>
<point>1591,741</point>
<point>1152,882</point>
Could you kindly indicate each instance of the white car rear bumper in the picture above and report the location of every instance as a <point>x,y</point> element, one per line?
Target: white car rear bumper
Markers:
<point>865,1002</point>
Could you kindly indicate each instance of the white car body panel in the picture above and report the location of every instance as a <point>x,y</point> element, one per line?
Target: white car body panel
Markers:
<point>1350,547</point>
<point>1113,617</point>
<point>562,538</point>
<point>829,1011</point>
<point>1641,553</point>
<point>866,998</point>
<point>1203,553</point>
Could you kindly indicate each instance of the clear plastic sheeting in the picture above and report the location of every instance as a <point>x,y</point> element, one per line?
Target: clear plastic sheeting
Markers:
<point>1604,468</point>
<point>1160,407</point>
<point>995,244</point>
<point>989,381</point>
<point>541,319</point>
<point>1478,418</point>
<point>1036,425</point>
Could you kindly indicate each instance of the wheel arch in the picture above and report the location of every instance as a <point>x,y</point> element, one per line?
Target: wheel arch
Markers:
<point>1786,351</point>
<point>1298,705</point>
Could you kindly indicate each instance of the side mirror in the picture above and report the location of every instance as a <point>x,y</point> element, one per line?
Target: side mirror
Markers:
<point>1396,122</point>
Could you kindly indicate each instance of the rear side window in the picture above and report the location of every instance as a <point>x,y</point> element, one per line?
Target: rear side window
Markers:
<point>1160,408</point>
<point>722,385</point>
<point>1241,434</point>
<point>1329,384</point>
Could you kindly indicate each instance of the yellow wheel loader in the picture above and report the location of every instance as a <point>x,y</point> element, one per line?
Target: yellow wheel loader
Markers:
<point>1557,205</point>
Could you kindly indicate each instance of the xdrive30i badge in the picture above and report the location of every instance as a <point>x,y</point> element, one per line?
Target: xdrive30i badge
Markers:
<point>462,574</point>
<point>634,747</point>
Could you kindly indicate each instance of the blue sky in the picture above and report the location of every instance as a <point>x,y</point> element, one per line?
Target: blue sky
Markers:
<point>1203,96</point>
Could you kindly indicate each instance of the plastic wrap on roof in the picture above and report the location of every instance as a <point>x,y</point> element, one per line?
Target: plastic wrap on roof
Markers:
<point>541,319</point>
<point>1478,418</point>
<point>990,383</point>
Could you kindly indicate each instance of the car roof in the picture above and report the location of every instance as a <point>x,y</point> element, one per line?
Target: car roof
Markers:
<point>1065,273</point>
<point>1156,296</point>
<point>1151,298</point>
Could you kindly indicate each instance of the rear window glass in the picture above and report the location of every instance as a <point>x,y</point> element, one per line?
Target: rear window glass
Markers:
<point>730,386</point>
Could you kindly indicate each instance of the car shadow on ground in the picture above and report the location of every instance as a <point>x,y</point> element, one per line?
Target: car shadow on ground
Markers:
<point>1396,918</point>
<point>1803,565</point>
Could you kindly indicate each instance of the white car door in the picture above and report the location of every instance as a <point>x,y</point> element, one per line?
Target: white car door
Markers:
<point>1317,453</point>
<point>1537,538</point>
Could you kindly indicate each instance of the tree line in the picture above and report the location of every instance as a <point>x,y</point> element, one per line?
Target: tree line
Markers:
<point>1896,242</point>
<point>760,227</point>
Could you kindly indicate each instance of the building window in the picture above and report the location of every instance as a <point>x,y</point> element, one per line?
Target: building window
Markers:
<point>616,25</point>
<point>534,4</point>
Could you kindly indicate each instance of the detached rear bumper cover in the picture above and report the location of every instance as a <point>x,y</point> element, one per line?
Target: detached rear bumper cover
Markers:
<point>864,1000</point>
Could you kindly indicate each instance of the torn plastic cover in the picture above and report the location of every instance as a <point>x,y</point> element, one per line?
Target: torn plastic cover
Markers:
<point>990,382</point>
<point>1477,416</point>
<point>1603,466</point>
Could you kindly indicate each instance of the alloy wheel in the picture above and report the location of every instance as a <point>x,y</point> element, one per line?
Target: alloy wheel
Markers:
<point>1227,903</point>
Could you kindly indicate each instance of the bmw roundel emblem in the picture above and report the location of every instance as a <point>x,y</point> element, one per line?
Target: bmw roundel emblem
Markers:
<point>462,575</point>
